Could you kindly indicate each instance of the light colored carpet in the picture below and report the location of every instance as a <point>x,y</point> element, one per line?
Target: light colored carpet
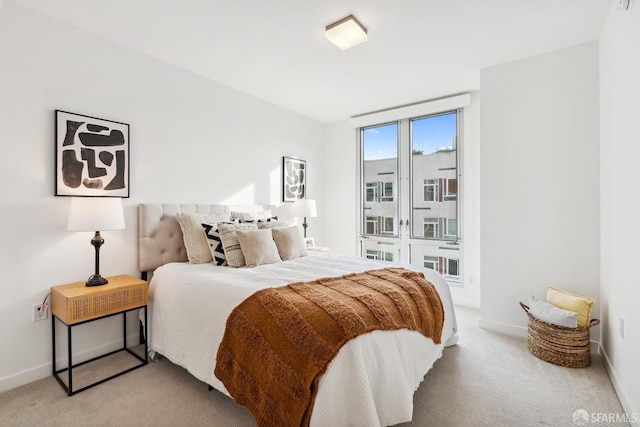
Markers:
<point>488,379</point>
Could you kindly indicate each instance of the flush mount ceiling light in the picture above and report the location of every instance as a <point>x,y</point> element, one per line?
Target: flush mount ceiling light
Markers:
<point>346,33</point>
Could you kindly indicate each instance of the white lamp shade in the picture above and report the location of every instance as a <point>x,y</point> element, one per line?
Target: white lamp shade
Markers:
<point>95,214</point>
<point>285,210</point>
<point>305,207</point>
<point>346,33</point>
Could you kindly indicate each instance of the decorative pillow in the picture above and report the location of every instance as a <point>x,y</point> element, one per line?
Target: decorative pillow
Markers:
<point>230,243</point>
<point>272,224</point>
<point>290,242</point>
<point>258,247</point>
<point>572,302</point>
<point>551,314</point>
<point>251,216</point>
<point>212,234</point>
<point>194,240</point>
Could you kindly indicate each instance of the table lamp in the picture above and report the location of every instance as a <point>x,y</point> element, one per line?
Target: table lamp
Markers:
<point>95,214</point>
<point>305,208</point>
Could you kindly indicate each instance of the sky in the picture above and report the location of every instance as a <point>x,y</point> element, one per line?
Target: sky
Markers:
<point>429,135</point>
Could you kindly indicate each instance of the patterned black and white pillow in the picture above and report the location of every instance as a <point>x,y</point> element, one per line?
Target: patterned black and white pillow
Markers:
<point>215,243</point>
<point>230,243</point>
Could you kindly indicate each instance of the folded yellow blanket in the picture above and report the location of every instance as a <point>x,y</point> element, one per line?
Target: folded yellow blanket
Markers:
<point>279,341</point>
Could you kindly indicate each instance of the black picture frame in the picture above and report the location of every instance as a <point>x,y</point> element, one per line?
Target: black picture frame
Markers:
<point>294,179</point>
<point>92,156</point>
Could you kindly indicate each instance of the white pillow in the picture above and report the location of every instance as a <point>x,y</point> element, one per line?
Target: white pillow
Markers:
<point>290,242</point>
<point>549,313</point>
<point>194,239</point>
<point>258,247</point>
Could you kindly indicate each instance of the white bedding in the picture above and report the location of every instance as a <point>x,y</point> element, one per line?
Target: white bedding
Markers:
<point>370,382</point>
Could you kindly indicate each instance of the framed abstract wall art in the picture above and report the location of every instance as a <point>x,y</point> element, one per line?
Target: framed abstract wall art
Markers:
<point>92,156</point>
<point>294,179</point>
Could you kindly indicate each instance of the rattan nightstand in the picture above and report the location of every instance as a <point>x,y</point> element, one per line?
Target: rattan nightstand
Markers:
<point>75,304</point>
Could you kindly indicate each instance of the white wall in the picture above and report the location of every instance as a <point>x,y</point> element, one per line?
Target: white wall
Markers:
<point>469,294</point>
<point>620,201</point>
<point>192,141</point>
<point>340,188</point>
<point>539,182</point>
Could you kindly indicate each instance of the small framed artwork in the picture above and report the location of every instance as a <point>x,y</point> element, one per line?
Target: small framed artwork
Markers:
<point>309,243</point>
<point>294,179</point>
<point>92,156</point>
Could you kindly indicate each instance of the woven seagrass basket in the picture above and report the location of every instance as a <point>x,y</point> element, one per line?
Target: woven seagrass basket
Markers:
<point>569,347</point>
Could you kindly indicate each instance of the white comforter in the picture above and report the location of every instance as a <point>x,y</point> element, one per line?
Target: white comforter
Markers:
<point>370,382</point>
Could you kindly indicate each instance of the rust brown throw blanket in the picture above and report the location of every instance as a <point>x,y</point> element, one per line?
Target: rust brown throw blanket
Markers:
<point>279,341</point>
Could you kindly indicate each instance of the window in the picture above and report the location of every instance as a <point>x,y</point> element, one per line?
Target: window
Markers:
<point>431,262</point>
<point>450,190</point>
<point>379,170</point>
<point>387,191</point>
<point>430,190</point>
<point>372,192</point>
<point>450,227</point>
<point>408,181</point>
<point>371,226</point>
<point>379,255</point>
<point>431,228</point>
<point>451,268</point>
<point>445,266</point>
<point>388,225</point>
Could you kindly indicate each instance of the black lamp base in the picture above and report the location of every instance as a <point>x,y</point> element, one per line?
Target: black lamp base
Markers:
<point>305,225</point>
<point>96,280</point>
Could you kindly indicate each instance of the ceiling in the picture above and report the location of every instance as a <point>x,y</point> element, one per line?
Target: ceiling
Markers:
<point>276,49</point>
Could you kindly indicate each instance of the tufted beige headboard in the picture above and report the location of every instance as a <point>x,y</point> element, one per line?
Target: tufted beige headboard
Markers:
<point>159,235</point>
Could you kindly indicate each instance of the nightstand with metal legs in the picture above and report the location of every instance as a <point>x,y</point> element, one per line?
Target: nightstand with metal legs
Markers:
<point>76,304</point>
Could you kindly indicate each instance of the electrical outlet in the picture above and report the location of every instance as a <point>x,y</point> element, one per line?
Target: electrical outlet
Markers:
<point>40,312</point>
<point>622,327</point>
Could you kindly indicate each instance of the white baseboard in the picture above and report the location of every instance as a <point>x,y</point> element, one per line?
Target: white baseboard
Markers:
<point>46,369</point>
<point>504,328</point>
<point>632,413</point>
<point>25,377</point>
<point>521,331</point>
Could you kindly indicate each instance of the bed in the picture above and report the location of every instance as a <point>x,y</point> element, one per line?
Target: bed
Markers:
<point>370,381</point>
